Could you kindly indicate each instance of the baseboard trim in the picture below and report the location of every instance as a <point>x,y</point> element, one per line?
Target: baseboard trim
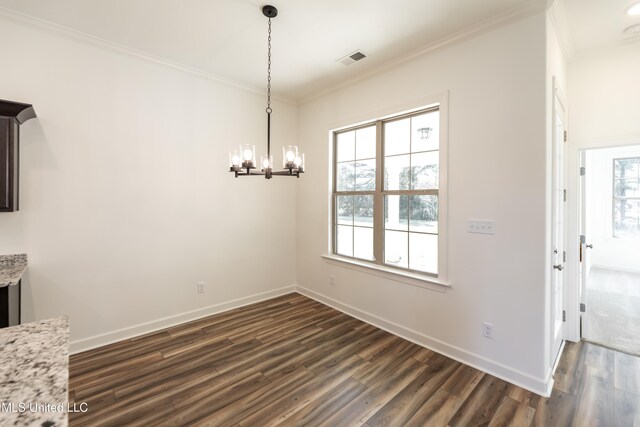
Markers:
<point>521,379</point>
<point>511,375</point>
<point>616,268</point>
<point>166,322</point>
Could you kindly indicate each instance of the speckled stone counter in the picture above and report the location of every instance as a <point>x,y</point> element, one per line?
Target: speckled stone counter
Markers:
<point>11,269</point>
<point>34,373</point>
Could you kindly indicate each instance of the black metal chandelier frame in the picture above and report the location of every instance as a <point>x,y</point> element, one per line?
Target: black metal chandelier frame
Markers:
<point>293,164</point>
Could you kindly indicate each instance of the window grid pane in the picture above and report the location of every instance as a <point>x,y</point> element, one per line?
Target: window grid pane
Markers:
<point>425,135</point>
<point>366,143</point>
<point>423,252</point>
<point>425,170</point>
<point>423,214</point>
<point>344,210</point>
<point>345,147</point>
<point>344,240</point>
<point>365,175</point>
<point>363,243</point>
<point>396,215</point>
<point>346,176</point>
<point>363,211</point>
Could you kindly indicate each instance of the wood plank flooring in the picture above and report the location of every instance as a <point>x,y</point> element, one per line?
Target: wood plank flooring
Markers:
<point>292,361</point>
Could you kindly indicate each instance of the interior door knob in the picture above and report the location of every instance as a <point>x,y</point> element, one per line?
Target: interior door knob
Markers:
<point>590,246</point>
<point>558,267</point>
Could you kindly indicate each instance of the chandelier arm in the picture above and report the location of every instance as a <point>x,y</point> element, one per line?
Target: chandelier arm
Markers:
<point>287,172</point>
<point>251,173</point>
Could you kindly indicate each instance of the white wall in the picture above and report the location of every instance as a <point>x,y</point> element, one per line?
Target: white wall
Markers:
<point>604,93</point>
<point>609,252</point>
<point>497,170</point>
<point>126,202</point>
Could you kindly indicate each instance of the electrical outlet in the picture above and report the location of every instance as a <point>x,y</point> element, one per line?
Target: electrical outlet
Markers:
<point>200,287</point>
<point>487,330</point>
<point>481,226</point>
<point>332,280</point>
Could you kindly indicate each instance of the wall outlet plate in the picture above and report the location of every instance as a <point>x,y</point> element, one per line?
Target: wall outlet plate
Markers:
<point>200,287</point>
<point>487,330</point>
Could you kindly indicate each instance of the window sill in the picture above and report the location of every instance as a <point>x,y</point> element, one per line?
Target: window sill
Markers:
<point>408,278</point>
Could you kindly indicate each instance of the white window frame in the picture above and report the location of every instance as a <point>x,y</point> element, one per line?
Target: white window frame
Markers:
<point>437,282</point>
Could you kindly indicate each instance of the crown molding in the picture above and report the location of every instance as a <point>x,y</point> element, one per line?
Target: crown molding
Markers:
<point>606,49</point>
<point>558,17</point>
<point>514,14</point>
<point>61,30</point>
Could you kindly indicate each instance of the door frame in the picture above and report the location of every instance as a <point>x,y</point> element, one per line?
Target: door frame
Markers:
<point>572,229</point>
<point>558,144</point>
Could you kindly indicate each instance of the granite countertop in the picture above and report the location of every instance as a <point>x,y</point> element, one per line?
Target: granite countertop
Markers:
<point>34,373</point>
<point>11,269</point>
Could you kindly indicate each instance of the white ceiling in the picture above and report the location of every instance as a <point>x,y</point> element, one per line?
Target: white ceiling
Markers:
<point>227,38</point>
<point>599,23</point>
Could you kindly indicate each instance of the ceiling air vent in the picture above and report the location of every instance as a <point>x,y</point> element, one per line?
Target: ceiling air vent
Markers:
<point>352,57</point>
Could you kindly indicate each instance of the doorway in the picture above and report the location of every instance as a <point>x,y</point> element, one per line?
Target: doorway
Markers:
<point>610,247</point>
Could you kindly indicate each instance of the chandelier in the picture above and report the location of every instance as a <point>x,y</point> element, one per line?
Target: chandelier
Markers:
<point>243,161</point>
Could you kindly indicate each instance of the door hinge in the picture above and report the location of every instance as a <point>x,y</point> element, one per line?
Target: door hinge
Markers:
<point>583,171</point>
<point>564,195</point>
<point>583,307</point>
<point>564,316</point>
<point>565,136</point>
<point>564,256</point>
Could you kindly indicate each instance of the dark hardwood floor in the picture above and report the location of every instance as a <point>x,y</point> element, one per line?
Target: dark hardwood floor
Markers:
<point>293,361</point>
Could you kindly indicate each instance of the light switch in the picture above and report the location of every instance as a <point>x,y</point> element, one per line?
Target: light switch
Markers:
<point>481,226</point>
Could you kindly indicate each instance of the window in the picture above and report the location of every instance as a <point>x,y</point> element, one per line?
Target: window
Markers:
<point>386,192</point>
<point>626,197</point>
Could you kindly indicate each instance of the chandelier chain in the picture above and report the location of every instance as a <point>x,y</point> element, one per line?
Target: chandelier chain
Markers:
<point>269,70</point>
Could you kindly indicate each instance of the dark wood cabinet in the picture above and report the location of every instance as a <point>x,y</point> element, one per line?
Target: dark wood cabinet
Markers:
<point>10,305</point>
<point>9,165</point>
<point>12,115</point>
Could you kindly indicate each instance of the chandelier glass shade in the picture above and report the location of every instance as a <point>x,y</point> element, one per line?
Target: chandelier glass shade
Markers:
<point>243,162</point>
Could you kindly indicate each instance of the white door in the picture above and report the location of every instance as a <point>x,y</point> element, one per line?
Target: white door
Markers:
<point>557,251</point>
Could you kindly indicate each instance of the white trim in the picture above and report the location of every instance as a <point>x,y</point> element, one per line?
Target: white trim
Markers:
<point>100,340</point>
<point>507,373</point>
<point>515,14</point>
<point>624,269</point>
<point>513,376</point>
<point>558,358</point>
<point>603,142</point>
<point>558,17</point>
<point>406,277</point>
<point>572,283</point>
<point>552,357</point>
<point>441,100</point>
<point>23,18</point>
